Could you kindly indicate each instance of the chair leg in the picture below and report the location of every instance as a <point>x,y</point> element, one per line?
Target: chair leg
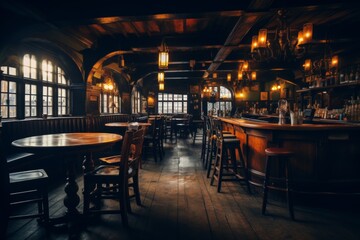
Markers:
<point>137,190</point>
<point>123,207</point>
<point>46,205</point>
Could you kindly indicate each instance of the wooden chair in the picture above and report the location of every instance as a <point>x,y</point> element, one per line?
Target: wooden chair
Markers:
<point>29,187</point>
<point>115,175</point>
<point>134,165</point>
<point>22,188</point>
<point>153,138</point>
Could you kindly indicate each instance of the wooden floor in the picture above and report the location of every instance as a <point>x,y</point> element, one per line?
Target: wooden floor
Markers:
<point>179,203</point>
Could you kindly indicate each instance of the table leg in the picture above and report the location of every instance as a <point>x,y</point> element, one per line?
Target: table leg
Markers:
<point>72,199</point>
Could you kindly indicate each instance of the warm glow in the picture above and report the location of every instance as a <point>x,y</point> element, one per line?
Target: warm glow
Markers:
<point>300,37</point>
<point>161,86</point>
<point>240,75</point>
<point>163,59</point>
<point>161,76</point>
<point>307,65</point>
<point>245,66</point>
<point>254,43</point>
<point>262,37</point>
<point>214,75</point>
<point>228,77</point>
<point>334,61</point>
<point>253,76</point>
<point>307,32</point>
<point>108,84</point>
<point>240,94</point>
<point>276,87</point>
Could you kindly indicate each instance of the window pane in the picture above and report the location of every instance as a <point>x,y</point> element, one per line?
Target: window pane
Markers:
<point>12,88</point>
<point>4,112</point>
<point>4,86</point>
<point>12,71</point>
<point>4,69</point>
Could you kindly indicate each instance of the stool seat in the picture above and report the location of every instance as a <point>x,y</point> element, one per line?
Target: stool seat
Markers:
<point>231,141</point>
<point>227,135</point>
<point>278,152</point>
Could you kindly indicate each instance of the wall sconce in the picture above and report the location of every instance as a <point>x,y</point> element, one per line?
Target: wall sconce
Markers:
<point>276,87</point>
<point>334,61</point>
<point>307,65</point>
<point>214,75</point>
<point>228,77</point>
<point>163,56</point>
<point>108,84</point>
<point>253,75</point>
<point>161,77</point>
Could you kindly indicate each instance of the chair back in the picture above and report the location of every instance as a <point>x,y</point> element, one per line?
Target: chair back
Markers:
<point>125,153</point>
<point>136,151</point>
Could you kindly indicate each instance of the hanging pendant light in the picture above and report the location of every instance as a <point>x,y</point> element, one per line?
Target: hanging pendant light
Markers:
<point>161,77</point>
<point>161,86</point>
<point>163,56</point>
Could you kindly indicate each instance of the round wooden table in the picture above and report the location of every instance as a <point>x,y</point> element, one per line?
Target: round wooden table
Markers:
<point>69,144</point>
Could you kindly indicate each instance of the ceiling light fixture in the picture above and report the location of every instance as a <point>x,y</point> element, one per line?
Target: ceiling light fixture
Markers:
<point>285,46</point>
<point>163,56</point>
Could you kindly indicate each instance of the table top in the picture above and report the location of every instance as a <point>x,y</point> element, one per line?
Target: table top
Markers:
<point>68,141</point>
<point>126,124</point>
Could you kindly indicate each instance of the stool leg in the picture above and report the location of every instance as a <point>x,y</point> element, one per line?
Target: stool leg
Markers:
<point>289,190</point>
<point>246,173</point>
<point>211,154</point>
<point>215,172</point>
<point>223,158</point>
<point>265,186</point>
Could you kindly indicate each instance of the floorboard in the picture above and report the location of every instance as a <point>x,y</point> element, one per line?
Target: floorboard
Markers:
<point>179,203</point>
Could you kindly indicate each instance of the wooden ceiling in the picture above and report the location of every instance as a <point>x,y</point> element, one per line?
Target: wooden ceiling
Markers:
<point>216,34</point>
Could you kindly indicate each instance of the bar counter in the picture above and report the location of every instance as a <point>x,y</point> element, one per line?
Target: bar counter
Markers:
<point>327,156</point>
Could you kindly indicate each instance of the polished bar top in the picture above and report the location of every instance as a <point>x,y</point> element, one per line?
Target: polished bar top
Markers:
<point>303,127</point>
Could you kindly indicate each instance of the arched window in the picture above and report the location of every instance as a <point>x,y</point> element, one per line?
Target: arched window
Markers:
<point>110,102</point>
<point>223,105</point>
<point>46,88</point>
<point>30,66</point>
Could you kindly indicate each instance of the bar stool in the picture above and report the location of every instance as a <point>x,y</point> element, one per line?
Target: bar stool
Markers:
<point>224,147</point>
<point>283,156</point>
<point>211,143</point>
